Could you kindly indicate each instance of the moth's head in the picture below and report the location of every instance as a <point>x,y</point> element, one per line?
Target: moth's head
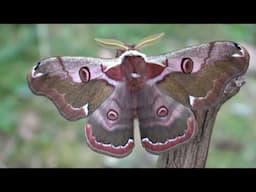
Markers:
<point>122,47</point>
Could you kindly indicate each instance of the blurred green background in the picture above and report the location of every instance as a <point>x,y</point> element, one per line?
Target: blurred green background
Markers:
<point>33,134</point>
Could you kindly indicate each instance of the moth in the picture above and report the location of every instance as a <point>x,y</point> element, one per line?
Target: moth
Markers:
<point>162,92</point>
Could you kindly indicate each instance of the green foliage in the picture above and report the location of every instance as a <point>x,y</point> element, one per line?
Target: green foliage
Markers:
<point>32,132</point>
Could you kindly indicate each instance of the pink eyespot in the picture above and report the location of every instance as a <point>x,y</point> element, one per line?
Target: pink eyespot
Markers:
<point>187,65</point>
<point>112,115</point>
<point>162,111</point>
<point>84,74</point>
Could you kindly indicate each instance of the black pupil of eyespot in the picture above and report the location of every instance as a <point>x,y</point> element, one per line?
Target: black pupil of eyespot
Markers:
<point>112,115</point>
<point>187,65</point>
<point>85,74</point>
<point>162,111</point>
